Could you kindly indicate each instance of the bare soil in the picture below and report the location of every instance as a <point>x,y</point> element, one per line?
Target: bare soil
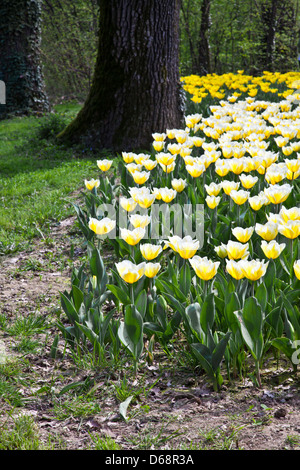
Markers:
<point>178,410</point>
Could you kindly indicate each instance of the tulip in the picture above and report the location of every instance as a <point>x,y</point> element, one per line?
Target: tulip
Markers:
<point>237,250</point>
<point>140,177</point>
<point>142,197</point>
<point>138,220</point>
<point>129,271</point>
<point>293,165</point>
<point>278,193</point>
<point>221,251</point>
<point>167,195</point>
<point>149,251</point>
<point>152,269</point>
<point>272,249</point>
<point>104,165</point>
<point>248,181</point>
<point>254,269</point>
<point>195,170</point>
<point>178,184</point>
<point>128,157</point>
<point>267,231</point>
<point>212,201</point>
<point>128,204</point>
<point>133,167</point>
<point>256,202</point>
<point>158,145</point>
<point>213,189</point>
<point>234,269</point>
<point>291,229</point>
<point>204,268</point>
<point>90,184</point>
<point>159,137</point>
<point>290,214</point>
<point>141,158</point>
<point>243,235</point>
<point>150,164</point>
<point>297,269</point>
<point>101,227</point>
<point>187,247</point>
<point>239,197</point>
<point>132,237</point>
<point>229,186</point>
<point>165,158</point>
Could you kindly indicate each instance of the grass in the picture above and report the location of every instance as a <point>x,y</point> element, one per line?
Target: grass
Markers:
<point>38,176</point>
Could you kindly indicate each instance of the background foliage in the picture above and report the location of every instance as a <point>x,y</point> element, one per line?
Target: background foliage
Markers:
<point>252,35</point>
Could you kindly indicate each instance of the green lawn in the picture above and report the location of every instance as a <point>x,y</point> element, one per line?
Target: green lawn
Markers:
<point>37,176</point>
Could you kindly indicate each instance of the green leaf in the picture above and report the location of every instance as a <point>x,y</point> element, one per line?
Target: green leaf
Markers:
<point>185,279</point>
<point>141,303</point>
<point>207,317</point>
<point>219,351</point>
<point>131,331</point>
<point>192,313</point>
<point>119,294</point>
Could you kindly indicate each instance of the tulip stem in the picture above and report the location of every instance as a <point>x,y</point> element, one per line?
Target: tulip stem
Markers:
<point>132,294</point>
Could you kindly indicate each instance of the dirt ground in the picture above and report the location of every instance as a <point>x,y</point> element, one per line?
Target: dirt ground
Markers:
<point>180,409</point>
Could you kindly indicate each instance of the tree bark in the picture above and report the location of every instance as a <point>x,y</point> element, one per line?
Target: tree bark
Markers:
<point>20,65</point>
<point>136,88</point>
<point>203,45</point>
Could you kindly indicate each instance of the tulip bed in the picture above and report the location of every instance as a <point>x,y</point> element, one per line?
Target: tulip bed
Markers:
<point>230,299</point>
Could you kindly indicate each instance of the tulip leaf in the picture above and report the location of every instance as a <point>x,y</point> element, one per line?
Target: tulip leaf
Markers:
<point>131,331</point>
<point>192,313</point>
<point>119,294</point>
<point>207,312</point>
<point>185,279</point>
<point>141,303</point>
<point>261,295</point>
<point>219,351</point>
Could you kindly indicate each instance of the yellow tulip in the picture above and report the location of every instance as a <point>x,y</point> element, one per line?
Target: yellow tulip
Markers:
<point>195,170</point>
<point>159,137</point>
<point>187,247</point>
<point>272,249</point>
<point>254,269</point>
<point>165,158</point>
<point>237,250</point>
<point>128,157</point>
<point>91,184</point>
<point>168,168</point>
<point>149,251</point>
<point>234,269</point>
<point>267,231</point>
<point>138,220</point>
<point>290,214</point>
<point>256,202</point>
<point>212,201</point>
<point>132,237</point>
<point>101,227</point>
<point>213,189</point>
<point>174,149</point>
<point>104,165</point>
<point>243,235</point>
<point>140,177</point>
<point>129,271</point>
<point>239,197</point>
<point>278,193</point>
<point>291,229</point>
<point>142,196</point>
<point>248,181</point>
<point>158,145</point>
<point>293,165</point>
<point>152,269</point>
<point>229,186</point>
<point>178,184</point>
<point>150,164</point>
<point>167,195</point>
<point>133,167</point>
<point>297,268</point>
<point>141,158</point>
<point>128,204</point>
<point>204,268</point>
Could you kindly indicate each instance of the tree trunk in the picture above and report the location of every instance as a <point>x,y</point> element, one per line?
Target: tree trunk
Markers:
<point>136,88</point>
<point>203,45</point>
<point>20,66</point>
